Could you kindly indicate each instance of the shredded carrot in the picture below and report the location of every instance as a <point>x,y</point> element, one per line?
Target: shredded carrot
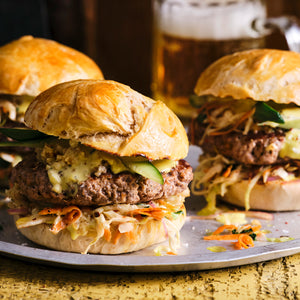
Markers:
<point>156,213</point>
<point>224,227</point>
<point>58,211</point>
<point>224,237</point>
<point>70,215</point>
<point>227,172</point>
<point>107,234</point>
<point>171,253</point>
<point>244,241</point>
<point>239,122</point>
<point>212,105</point>
<point>131,236</point>
<point>58,227</point>
<point>205,106</point>
<point>116,237</point>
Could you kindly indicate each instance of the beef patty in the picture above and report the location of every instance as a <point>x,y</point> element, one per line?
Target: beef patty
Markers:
<point>255,148</point>
<point>33,184</point>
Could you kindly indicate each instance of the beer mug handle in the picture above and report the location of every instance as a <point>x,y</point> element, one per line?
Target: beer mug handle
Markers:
<point>289,27</point>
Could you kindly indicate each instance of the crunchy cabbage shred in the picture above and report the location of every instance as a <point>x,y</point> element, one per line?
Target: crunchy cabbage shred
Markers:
<point>97,223</point>
<point>215,174</point>
<point>210,179</point>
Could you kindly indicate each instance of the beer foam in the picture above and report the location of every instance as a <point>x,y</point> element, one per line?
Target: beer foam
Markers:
<point>210,19</point>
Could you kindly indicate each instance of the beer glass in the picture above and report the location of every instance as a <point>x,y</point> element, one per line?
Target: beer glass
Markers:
<point>190,34</point>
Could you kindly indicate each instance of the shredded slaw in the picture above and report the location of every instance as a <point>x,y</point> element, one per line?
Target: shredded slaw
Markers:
<point>99,223</point>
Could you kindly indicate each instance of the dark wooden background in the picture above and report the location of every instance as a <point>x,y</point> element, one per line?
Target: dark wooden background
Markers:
<point>115,33</point>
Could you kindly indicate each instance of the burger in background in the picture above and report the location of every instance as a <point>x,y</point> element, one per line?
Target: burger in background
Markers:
<point>29,66</point>
<point>108,174</point>
<point>248,126</point>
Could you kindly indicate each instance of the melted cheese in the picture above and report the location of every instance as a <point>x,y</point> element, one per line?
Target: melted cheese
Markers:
<point>291,146</point>
<point>68,166</point>
<point>70,163</point>
<point>164,165</point>
<point>291,117</point>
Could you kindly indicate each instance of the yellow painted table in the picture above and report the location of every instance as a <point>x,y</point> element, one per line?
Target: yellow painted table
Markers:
<point>276,279</point>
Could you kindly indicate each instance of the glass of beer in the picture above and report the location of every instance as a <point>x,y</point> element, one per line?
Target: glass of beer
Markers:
<point>190,34</point>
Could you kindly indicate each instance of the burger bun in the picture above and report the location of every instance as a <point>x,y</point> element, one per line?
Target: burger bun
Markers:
<point>147,234</point>
<point>111,117</point>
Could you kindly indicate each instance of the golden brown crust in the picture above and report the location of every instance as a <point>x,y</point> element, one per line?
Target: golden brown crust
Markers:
<point>261,74</point>
<point>147,234</point>
<point>272,196</point>
<point>109,116</point>
<point>31,65</point>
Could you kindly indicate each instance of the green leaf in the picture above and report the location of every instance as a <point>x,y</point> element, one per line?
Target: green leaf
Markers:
<point>198,101</point>
<point>28,143</point>
<point>265,112</point>
<point>23,134</point>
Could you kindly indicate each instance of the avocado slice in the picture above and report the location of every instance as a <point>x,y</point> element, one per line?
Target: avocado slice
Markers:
<point>144,168</point>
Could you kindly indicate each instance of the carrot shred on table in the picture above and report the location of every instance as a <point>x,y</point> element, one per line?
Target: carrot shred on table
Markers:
<point>224,237</point>
<point>244,241</point>
<point>224,227</point>
<point>243,237</point>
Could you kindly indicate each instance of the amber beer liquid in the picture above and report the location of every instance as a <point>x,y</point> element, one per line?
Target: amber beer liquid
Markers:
<point>190,37</point>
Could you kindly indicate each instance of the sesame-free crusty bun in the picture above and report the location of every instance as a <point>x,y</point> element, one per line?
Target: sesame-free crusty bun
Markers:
<point>248,127</point>
<point>145,235</point>
<point>109,116</point>
<point>30,65</point>
<point>260,74</point>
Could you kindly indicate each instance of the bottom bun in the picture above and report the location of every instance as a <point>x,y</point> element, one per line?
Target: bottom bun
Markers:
<point>271,196</point>
<point>149,233</point>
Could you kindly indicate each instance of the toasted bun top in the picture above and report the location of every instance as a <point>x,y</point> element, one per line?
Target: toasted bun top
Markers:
<point>261,74</point>
<point>30,65</point>
<point>109,116</point>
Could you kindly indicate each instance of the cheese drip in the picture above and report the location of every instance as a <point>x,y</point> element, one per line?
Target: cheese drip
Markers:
<point>291,145</point>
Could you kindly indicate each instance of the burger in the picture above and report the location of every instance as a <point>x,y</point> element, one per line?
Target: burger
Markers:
<point>248,127</point>
<point>107,175</point>
<point>29,66</point>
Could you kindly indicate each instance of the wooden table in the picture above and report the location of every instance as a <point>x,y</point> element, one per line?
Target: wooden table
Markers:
<point>276,279</point>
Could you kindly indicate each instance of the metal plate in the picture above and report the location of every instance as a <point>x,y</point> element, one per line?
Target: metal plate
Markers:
<point>193,254</point>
